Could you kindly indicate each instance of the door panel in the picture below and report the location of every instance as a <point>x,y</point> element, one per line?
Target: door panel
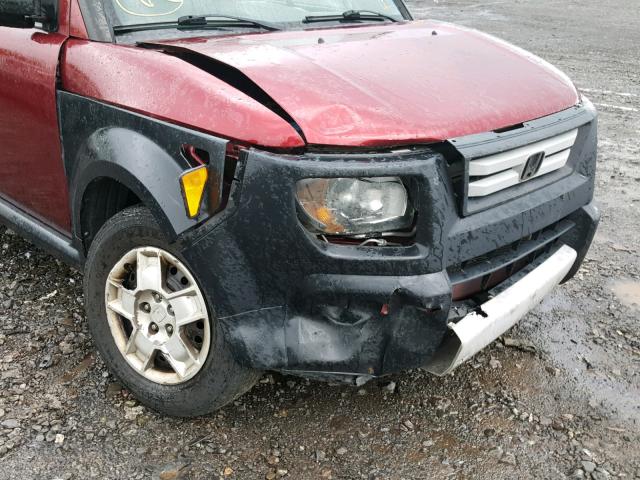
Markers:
<point>31,169</point>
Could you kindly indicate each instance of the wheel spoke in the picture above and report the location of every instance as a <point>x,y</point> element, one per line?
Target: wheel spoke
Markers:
<point>184,321</point>
<point>187,309</point>
<point>124,303</point>
<point>117,307</point>
<point>179,355</point>
<point>142,348</point>
<point>115,283</point>
<point>149,271</point>
<point>188,292</point>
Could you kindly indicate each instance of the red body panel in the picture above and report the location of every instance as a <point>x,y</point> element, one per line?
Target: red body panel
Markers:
<point>168,88</point>
<point>394,83</point>
<point>31,170</point>
<point>63,16</point>
<point>364,86</point>
<point>77,27</point>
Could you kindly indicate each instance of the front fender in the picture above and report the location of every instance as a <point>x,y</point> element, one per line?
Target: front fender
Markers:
<point>143,154</point>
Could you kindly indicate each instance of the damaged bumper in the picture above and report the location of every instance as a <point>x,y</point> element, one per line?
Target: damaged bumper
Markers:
<point>288,301</point>
<point>493,318</point>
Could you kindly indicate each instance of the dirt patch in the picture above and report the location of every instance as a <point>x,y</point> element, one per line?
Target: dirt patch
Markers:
<point>628,292</point>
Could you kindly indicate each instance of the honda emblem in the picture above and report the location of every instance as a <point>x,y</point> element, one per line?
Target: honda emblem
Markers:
<point>532,167</point>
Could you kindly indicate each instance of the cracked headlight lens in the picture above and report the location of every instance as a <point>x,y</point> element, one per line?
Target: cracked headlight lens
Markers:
<point>354,206</point>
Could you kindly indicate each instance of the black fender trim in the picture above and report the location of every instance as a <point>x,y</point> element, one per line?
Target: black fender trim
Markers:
<point>145,155</point>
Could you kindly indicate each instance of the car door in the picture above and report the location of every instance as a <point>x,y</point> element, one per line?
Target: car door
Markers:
<point>31,169</point>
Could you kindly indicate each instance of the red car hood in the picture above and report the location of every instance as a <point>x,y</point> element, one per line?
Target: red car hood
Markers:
<point>395,83</point>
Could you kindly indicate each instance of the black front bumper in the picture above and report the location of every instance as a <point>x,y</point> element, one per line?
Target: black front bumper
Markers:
<point>288,301</point>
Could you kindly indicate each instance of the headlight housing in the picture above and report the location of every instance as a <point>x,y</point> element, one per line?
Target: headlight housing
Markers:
<point>354,206</point>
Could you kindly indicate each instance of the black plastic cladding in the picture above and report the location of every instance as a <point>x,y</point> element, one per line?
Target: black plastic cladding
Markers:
<point>290,302</point>
<point>287,301</point>
<point>145,155</point>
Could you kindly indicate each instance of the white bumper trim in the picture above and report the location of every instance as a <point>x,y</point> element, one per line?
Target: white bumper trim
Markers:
<point>475,331</point>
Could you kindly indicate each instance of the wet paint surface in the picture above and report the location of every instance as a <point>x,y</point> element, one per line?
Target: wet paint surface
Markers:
<point>76,22</point>
<point>369,86</point>
<point>31,163</point>
<point>392,84</point>
<point>31,172</point>
<point>167,88</point>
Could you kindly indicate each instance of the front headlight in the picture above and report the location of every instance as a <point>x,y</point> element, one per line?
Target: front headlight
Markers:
<point>354,206</point>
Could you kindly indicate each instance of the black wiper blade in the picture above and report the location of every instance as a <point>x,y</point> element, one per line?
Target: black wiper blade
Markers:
<point>142,27</point>
<point>350,15</point>
<point>205,20</point>
<point>196,22</point>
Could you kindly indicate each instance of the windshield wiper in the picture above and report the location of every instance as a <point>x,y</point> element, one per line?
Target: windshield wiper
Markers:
<point>350,16</point>
<point>196,22</point>
<point>204,20</point>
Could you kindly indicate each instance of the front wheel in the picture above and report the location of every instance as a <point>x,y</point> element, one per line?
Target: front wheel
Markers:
<point>152,323</point>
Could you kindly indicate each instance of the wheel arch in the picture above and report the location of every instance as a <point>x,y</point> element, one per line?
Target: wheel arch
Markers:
<point>102,188</point>
<point>103,198</point>
<point>131,158</point>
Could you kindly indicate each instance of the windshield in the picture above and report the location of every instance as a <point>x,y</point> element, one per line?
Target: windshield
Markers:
<point>130,12</point>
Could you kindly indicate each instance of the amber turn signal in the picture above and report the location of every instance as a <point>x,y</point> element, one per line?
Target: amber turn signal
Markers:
<point>193,185</point>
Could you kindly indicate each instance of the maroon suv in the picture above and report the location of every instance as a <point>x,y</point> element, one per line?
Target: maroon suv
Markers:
<point>324,188</point>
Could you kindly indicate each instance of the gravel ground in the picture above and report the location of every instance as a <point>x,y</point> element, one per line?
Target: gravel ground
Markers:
<point>558,397</point>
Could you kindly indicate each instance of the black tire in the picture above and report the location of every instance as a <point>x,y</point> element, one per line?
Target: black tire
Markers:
<point>220,381</point>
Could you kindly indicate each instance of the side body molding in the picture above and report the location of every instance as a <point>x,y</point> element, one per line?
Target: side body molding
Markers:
<point>145,155</point>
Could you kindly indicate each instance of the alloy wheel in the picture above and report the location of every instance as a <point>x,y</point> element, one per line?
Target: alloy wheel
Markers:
<point>158,316</point>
